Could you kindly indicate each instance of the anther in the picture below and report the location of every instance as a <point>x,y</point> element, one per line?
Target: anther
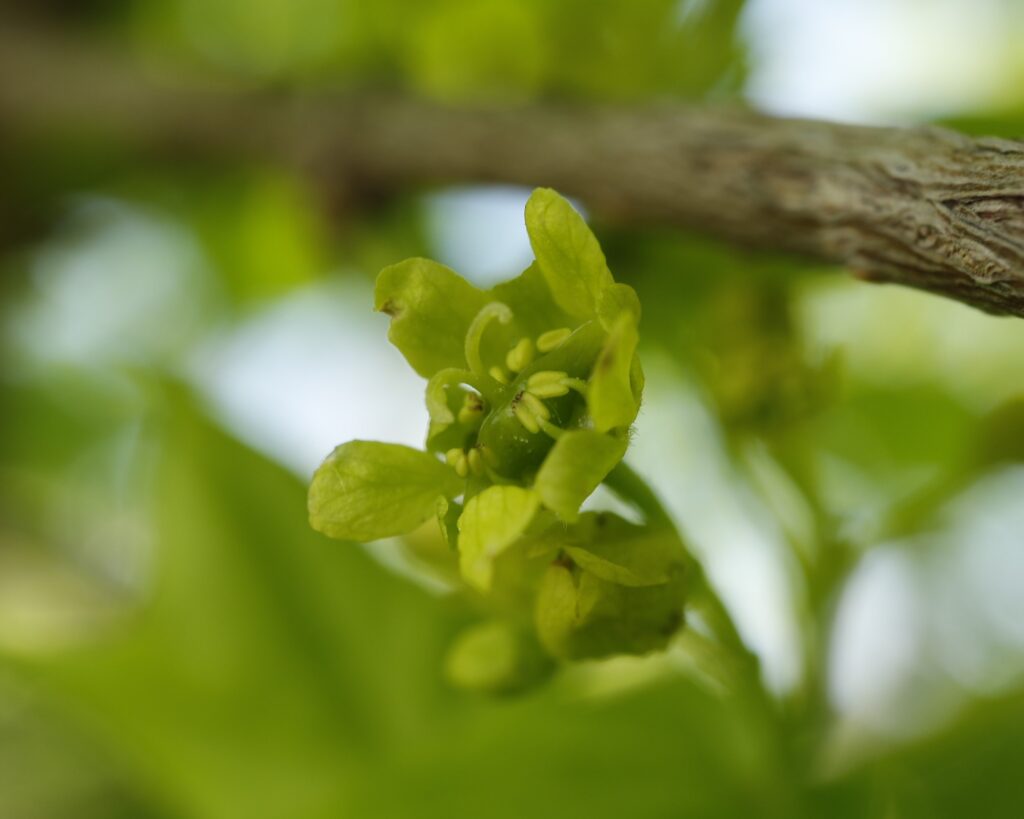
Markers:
<point>527,418</point>
<point>520,356</point>
<point>456,459</point>
<point>546,342</point>
<point>476,462</point>
<point>548,384</point>
<point>536,406</point>
<point>498,375</point>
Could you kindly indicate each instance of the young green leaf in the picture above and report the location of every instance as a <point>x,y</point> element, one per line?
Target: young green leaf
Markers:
<point>567,253</point>
<point>611,397</point>
<point>577,463</point>
<point>367,490</point>
<point>431,308</point>
<point>491,522</point>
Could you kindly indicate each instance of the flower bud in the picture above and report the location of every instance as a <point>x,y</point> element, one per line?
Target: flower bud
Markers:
<point>580,616</point>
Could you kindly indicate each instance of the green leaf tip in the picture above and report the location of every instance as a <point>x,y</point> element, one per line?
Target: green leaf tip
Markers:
<point>497,658</point>
<point>567,252</point>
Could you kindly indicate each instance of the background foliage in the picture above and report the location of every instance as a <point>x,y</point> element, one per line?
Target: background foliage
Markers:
<point>180,343</point>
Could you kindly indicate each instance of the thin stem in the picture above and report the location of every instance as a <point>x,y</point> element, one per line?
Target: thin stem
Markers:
<point>704,600</point>
<point>633,489</point>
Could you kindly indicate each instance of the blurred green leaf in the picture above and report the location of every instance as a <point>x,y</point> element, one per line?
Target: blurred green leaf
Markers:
<point>970,768</point>
<point>276,673</point>
<point>497,657</point>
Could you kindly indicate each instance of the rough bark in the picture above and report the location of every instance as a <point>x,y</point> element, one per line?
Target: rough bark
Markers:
<point>923,207</point>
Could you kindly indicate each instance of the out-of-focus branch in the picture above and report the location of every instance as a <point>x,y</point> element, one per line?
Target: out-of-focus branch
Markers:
<point>923,207</point>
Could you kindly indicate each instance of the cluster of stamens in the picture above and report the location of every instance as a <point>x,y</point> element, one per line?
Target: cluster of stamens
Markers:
<point>465,461</point>
<point>521,355</point>
<point>529,407</point>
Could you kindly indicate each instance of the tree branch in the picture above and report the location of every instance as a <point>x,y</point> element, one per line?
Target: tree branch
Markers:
<point>923,207</point>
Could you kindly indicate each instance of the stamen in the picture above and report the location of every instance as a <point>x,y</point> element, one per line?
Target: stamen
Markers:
<point>577,384</point>
<point>498,375</point>
<point>546,342</point>
<point>545,377</point>
<point>526,418</point>
<point>536,406</point>
<point>549,390</point>
<point>476,462</point>
<point>548,384</point>
<point>520,356</point>
<point>551,430</point>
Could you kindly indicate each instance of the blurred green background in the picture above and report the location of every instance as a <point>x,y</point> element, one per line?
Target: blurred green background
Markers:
<point>182,342</point>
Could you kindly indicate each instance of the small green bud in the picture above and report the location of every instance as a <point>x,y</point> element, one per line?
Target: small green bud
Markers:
<point>476,461</point>
<point>497,658</point>
<point>520,356</point>
<point>456,459</point>
<point>580,616</point>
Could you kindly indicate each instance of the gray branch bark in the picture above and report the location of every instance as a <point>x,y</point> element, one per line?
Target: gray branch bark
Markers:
<point>923,207</point>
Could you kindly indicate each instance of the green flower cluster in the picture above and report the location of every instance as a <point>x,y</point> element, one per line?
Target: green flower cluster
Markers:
<point>532,389</point>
